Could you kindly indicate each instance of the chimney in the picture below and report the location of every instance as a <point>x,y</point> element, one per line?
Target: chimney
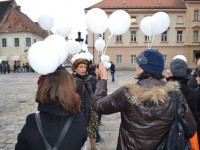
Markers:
<point>18,8</point>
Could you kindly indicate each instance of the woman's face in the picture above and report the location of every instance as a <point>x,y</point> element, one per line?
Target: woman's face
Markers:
<point>168,71</point>
<point>198,79</point>
<point>81,69</point>
<point>138,70</point>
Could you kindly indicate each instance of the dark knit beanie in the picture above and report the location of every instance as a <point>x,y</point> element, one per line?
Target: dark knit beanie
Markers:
<point>151,60</point>
<point>179,68</point>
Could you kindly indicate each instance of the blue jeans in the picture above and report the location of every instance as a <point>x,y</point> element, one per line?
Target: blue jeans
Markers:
<point>98,137</point>
<point>113,76</point>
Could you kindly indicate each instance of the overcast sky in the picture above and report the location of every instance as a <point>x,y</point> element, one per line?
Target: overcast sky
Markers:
<point>68,11</point>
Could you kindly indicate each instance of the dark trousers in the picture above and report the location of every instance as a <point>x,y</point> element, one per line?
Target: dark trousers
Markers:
<point>113,76</point>
<point>98,137</point>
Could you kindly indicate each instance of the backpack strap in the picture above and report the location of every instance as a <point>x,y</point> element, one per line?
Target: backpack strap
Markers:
<point>61,136</point>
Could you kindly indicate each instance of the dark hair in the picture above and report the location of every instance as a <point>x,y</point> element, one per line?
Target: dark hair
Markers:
<point>146,74</point>
<point>78,62</point>
<point>198,72</point>
<point>59,87</point>
<point>197,54</point>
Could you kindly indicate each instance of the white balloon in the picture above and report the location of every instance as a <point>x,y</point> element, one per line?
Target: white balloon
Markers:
<point>59,44</point>
<point>97,20</point>
<point>63,30</point>
<point>107,65</point>
<point>46,21</point>
<point>100,44</point>
<point>42,59</point>
<point>105,58</point>
<point>73,47</point>
<point>119,22</point>
<point>145,26</point>
<point>160,22</point>
<point>180,57</point>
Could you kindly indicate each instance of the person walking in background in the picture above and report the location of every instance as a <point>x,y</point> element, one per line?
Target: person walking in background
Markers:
<point>178,71</point>
<point>57,103</point>
<point>147,107</point>
<point>112,70</point>
<point>85,84</point>
<point>192,81</point>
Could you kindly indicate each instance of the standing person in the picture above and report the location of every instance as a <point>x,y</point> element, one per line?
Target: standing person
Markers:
<point>8,68</point>
<point>112,70</point>
<point>147,107</point>
<point>92,71</point>
<point>178,71</point>
<point>1,68</point>
<point>192,81</point>
<point>85,88</point>
<point>57,102</point>
<point>198,91</point>
<point>15,67</point>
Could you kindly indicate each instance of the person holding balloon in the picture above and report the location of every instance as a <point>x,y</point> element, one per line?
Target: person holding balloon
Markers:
<point>146,107</point>
<point>85,86</point>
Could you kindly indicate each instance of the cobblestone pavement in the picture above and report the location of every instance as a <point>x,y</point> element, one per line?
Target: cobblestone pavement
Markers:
<point>17,93</point>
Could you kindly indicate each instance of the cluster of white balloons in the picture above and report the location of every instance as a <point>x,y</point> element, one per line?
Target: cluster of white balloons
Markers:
<point>46,22</point>
<point>156,24</point>
<point>45,56</point>
<point>98,22</point>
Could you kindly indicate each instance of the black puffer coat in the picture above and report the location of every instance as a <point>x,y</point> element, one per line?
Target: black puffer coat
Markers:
<point>53,118</point>
<point>146,108</point>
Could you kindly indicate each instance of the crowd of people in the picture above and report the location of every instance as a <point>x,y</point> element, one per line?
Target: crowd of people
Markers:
<point>17,68</point>
<point>147,107</point>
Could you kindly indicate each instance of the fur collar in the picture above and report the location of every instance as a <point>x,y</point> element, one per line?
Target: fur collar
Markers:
<point>157,94</point>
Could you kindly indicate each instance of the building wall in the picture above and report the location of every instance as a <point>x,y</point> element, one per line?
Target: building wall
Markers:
<point>22,50</point>
<point>126,48</point>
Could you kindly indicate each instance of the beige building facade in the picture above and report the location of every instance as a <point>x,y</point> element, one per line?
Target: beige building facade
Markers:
<point>182,36</point>
<point>17,33</point>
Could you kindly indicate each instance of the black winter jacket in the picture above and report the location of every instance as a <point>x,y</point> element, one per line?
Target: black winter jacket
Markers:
<point>53,118</point>
<point>190,95</point>
<point>82,88</point>
<point>147,111</point>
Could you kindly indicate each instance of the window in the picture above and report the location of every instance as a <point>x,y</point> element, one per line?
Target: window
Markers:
<point>35,41</point>
<point>133,36</point>
<point>179,36</point>
<point>179,19</point>
<point>16,40</point>
<point>28,42</point>
<point>4,43</point>
<point>164,37</point>
<point>165,58</point>
<point>102,35</point>
<point>133,59</point>
<point>196,14</point>
<point>118,38</point>
<point>133,20</point>
<point>196,36</point>
<point>119,59</point>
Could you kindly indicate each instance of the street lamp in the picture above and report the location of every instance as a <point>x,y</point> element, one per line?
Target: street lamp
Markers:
<point>79,39</point>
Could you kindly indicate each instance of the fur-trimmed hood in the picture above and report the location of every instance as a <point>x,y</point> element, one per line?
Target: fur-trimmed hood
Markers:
<point>157,94</point>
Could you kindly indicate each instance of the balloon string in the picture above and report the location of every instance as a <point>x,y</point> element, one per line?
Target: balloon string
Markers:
<point>152,39</point>
<point>98,57</point>
<point>108,43</point>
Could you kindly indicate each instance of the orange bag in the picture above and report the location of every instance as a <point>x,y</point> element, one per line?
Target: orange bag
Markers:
<point>194,142</point>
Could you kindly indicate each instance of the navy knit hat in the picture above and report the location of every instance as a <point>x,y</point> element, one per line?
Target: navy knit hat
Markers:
<point>179,68</point>
<point>151,60</point>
